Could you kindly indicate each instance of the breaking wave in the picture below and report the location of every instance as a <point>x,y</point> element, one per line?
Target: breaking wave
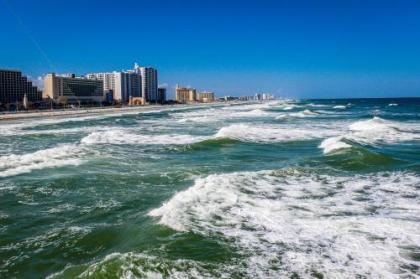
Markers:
<point>296,223</point>
<point>122,136</point>
<point>373,131</point>
<point>272,133</point>
<point>62,155</point>
<point>138,265</point>
<point>303,114</point>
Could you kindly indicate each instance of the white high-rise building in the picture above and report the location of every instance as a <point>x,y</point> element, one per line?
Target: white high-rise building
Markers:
<point>149,82</point>
<point>122,84</point>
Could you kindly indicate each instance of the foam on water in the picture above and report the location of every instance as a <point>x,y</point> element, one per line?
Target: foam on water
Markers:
<point>339,107</point>
<point>333,144</point>
<point>217,115</point>
<point>303,114</point>
<point>138,265</point>
<point>272,133</point>
<point>124,136</point>
<point>373,131</point>
<point>292,222</point>
<point>62,155</point>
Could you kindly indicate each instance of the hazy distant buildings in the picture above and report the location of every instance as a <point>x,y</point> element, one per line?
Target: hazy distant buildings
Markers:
<point>185,94</point>
<point>267,96</point>
<point>14,87</point>
<point>161,98</point>
<point>72,89</point>
<point>206,97</point>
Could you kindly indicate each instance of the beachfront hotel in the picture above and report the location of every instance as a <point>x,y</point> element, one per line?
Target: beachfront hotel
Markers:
<point>139,84</point>
<point>14,86</point>
<point>206,97</point>
<point>122,85</point>
<point>149,82</point>
<point>71,89</point>
<point>185,94</point>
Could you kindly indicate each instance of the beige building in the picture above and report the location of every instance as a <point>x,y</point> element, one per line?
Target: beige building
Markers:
<point>71,89</point>
<point>206,97</point>
<point>185,94</point>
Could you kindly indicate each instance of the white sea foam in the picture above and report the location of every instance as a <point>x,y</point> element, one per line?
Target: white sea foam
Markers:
<point>218,115</point>
<point>294,222</point>
<point>123,136</point>
<point>62,155</point>
<point>333,144</point>
<point>272,133</point>
<point>339,107</point>
<point>317,105</point>
<point>392,104</point>
<point>303,114</point>
<point>137,265</point>
<point>373,131</point>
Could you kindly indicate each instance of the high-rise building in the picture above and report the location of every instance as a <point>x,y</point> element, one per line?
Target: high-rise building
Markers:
<point>123,85</point>
<point>14,86</point>
<point>206,97</point>
<point>149,82</point>
<point>161,95</point>
<point>72,89</point>
<point>185,94</point>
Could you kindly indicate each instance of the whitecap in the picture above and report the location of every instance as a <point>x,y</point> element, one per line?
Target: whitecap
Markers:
<point>272,133</point>
<point>373,131</point>
<point>292,222</point>
<point>333,144</point>
<point>123,136</point>
<point>61,155</point>
<point>304,113</point>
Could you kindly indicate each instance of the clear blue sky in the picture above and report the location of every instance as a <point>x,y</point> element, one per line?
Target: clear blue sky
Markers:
<point>290,48</point>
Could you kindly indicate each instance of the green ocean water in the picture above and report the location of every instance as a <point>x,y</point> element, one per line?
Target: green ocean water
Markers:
<point>281,189</point>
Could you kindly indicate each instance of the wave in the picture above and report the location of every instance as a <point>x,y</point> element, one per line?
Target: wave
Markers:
<point>217,115</point>
<point>333,144</point>
<point>339,107</point>
<point>271,133</point>
<point>62,155</point>
<point>373,131</point>
<point>138,265</point>
<point>317,105</point>
<point>121,136</point>
<point>292,222</point>
<point>304,113</point>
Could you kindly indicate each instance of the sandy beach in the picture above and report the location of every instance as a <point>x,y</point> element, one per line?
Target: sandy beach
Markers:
<point>86,111</point>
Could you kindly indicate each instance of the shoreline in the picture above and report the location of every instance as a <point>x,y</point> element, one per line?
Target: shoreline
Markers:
<point>97,111</point>
<point>75,112</point>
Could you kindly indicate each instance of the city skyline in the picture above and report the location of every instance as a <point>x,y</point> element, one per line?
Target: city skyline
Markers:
<point>302,50</point>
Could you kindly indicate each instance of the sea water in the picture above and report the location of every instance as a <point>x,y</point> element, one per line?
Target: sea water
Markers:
<point>280,189</point>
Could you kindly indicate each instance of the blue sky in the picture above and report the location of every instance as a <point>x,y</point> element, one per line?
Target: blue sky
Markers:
<point>305,49</point>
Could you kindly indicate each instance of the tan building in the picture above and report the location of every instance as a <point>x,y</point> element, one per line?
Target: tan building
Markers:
<point>71,89</point>
<point>206,97</point>
<point>185,94</point>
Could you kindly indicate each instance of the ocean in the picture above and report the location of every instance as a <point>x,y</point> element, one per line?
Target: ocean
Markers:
<point>279,189</point>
